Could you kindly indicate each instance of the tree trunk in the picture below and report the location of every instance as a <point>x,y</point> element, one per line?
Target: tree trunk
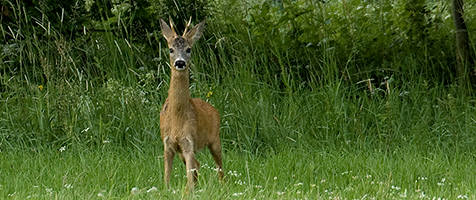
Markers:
<point>464,56</point>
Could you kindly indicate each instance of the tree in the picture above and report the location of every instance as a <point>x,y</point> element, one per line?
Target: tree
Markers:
<point>464,56</point>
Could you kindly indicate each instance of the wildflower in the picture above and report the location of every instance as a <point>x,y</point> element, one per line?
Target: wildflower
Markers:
<point>422,195</point>
<point>442,182</point>
<point>100,194</point>
<point>209,94</point>
<point>237,194</point>
<point>422,178</point>
<point>192,170</point>
<point>344,173</point>
<point>233,173</point>
<point>40,87</point>
<point>63,148</point>
<point>298,184</point>
<point>49,190</point>
<point>404,195</point>
<point>462,197</point>
<point>239,182</point>
<point>280,193</point>
<point>275,178</point>
<point>135,190</point>
<point>152,189</point>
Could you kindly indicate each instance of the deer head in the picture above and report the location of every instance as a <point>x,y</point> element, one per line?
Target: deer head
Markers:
<point>181,46</point>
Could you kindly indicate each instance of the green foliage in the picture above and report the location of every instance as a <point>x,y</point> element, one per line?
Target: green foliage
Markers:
<point>179,11</point>
<point>281,73</point>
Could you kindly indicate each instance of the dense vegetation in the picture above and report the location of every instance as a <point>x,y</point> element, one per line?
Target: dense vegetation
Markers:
<point>373,79</point>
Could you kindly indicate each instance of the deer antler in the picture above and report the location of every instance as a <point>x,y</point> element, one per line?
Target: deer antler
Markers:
<point>186,28</point>
<point>171,24</point>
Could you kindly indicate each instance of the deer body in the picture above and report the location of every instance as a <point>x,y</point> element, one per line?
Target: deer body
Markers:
<point>187,125</point>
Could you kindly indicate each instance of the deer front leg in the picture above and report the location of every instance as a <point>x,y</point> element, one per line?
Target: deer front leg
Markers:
<point>197,164</point>
<point>188,156</point>
<point>192,169</point>
<point>169,153</point>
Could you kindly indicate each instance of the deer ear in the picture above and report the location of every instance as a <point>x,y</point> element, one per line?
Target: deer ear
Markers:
<point>166,30</point>
<point>195,33</point>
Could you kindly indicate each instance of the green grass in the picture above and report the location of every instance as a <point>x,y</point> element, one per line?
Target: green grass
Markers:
<point>111,172</point>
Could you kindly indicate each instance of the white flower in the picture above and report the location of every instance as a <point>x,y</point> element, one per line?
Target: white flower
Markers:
<point>396,187</point>
<point>152,189</point>
<point>49,190</point>
<point>101,193</point>
<point>239,182</point>
<point>63,148</point>
<point>135,190</point>
<point>442,182</point>
<point>192,170</point>
<point>422,178</point>
<point>404,195</point>
<point>233,173</point>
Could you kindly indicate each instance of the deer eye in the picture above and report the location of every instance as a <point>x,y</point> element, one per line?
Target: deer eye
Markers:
<point>171,50</point>
<point>188,50</point>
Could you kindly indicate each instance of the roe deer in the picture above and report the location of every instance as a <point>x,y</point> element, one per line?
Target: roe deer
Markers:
<point>186,125</point>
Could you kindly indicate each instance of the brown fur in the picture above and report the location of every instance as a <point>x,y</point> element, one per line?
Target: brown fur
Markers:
<point>187,125</point>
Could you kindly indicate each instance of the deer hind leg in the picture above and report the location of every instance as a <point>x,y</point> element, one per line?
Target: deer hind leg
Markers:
<point>169,153</point>
<point>215,149</point>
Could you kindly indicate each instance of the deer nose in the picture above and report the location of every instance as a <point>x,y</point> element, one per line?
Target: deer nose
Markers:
<point>180,64</point>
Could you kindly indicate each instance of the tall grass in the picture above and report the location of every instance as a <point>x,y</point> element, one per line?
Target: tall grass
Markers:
<point>102,87</point>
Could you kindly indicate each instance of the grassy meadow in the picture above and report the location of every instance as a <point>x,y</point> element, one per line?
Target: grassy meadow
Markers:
<point>316,102</point>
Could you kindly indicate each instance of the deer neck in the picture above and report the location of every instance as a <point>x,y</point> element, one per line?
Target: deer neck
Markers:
<point>179,92</point>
